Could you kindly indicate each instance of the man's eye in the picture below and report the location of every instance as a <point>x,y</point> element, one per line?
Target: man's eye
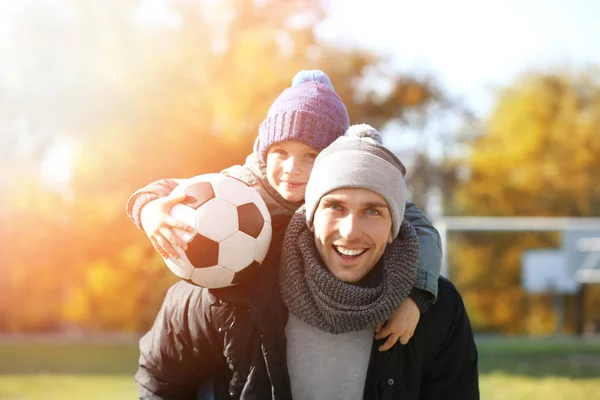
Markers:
<point>372,211</point>
<point>334,207</point>
<point>310,156</point>
<point>280,152</point>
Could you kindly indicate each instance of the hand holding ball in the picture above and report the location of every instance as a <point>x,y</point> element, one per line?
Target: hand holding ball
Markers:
<point>232,231</point>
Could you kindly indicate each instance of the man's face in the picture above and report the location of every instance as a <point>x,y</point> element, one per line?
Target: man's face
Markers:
<point>352,227</point>
<point>289,164</point>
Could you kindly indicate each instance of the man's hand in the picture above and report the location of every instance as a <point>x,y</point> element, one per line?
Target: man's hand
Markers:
<point>158,225</point>
<point>400,326</point>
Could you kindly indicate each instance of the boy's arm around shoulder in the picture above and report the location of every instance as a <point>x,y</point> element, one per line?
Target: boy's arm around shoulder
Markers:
<point>180,351</point>
<point>164,187</point>
<point>430,249</point>
<point>450,369</point>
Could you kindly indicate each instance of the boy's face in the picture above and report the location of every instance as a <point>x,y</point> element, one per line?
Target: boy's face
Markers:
<point>289,164</point>
<point>352,228</point>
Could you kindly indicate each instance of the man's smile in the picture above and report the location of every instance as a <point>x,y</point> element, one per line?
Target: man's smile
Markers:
<point>348,253</point>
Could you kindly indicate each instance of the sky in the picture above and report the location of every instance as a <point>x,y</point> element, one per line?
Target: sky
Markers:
<point>471,46</point>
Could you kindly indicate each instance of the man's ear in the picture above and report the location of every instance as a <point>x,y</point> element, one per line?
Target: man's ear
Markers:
<point>312,228</point>
<point>391,237</point>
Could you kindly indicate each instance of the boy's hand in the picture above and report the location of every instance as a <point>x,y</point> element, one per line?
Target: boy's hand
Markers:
<point>158,224</point>
<point>400,326</point>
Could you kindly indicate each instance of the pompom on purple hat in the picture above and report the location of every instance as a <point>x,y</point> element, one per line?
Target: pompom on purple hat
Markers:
<point>310,111</point>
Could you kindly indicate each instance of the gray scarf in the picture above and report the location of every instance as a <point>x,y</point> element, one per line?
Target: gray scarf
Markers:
<point>315,296</point>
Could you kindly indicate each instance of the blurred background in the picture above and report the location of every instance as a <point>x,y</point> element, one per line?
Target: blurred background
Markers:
<point>493,106</point>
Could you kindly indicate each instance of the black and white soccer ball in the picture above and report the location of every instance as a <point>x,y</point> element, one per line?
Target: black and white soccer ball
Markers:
<point>232,231</point>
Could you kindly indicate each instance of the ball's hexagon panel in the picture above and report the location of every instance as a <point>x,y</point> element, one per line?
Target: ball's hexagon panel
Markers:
<point>186,215</point>
<point>260,203</point>
<point>202,252</point>
<point>217,220</point>
<point>250,219</point>
<point>212,277</point>
<point>182,267</point>
<point>237,252</point>
<point>263,241</point>
<point>246,273</point>
<point>233,191</point>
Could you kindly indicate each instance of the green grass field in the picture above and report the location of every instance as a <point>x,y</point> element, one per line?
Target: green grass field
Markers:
<point>510,369</point>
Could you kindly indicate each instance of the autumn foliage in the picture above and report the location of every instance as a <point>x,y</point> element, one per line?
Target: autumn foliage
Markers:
<point>139,100</point>
<point>538,155</point>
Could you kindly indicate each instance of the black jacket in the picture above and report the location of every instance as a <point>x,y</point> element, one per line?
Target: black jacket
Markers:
<point>234,339</point>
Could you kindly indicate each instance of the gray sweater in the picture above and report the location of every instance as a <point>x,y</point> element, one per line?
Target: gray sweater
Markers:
<point>324,366</point>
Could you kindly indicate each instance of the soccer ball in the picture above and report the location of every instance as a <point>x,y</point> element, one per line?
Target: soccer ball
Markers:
<point>232,231</point>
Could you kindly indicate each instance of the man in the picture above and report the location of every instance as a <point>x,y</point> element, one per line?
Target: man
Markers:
<point>307,330</point>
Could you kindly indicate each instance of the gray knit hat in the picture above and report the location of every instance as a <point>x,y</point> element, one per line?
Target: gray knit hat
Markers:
<point>309,111</point>
<point>358,160</point>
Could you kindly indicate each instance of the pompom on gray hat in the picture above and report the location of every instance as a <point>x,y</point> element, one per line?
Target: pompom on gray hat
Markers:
<point>358,160</point>
<point>310,111</point>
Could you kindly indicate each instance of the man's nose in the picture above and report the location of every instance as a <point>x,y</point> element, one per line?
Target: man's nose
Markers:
<point>350,227</point>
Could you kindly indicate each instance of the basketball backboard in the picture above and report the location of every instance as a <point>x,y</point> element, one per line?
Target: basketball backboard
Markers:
<point>582,254</point>
<point>589,271</point>
<point>546,271</point>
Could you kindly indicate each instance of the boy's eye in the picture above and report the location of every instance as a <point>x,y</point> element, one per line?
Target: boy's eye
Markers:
<point>310,156</point>
<point>279,152</point>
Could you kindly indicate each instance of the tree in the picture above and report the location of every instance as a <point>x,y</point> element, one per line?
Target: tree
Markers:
<point>539,155</point>
<point>140,100</point>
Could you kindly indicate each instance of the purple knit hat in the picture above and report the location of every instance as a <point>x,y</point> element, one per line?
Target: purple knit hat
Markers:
<point>309,111</point>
